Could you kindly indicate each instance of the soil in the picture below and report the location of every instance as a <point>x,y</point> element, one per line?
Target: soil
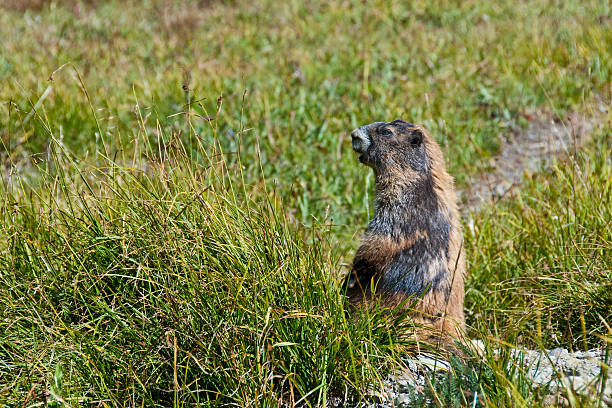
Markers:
<point>527,151</point>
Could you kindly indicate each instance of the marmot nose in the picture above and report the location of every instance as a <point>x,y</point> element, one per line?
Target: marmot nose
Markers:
<point>361,141</point>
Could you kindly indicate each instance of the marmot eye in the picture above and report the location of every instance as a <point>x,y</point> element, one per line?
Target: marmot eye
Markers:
<point>385,132</point>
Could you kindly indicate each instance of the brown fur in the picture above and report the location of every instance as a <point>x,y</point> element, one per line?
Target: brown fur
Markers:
<point>440,308</point>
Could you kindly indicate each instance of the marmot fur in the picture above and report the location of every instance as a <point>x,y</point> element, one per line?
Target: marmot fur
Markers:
<point>413,245</point>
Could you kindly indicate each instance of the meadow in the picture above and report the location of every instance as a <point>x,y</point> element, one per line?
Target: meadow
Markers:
<point>179,197</point>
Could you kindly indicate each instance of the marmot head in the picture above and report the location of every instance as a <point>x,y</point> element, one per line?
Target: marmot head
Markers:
<point>392,147</point>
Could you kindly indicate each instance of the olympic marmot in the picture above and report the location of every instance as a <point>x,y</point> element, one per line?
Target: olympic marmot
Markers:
<point>413,245</point>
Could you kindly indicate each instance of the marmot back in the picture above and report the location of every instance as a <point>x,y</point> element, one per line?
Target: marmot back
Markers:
<point>413,245</point>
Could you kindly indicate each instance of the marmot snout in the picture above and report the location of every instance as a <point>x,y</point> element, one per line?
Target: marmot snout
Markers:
<point>413,245</point>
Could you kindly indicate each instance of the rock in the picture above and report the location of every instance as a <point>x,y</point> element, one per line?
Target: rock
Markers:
<point>555,400</point>
<point>403,401</point>
<point>375,394</point>
<point>576,383</point>
<point>558,352</point>
<point>565,373</point>
<point>432,362</point>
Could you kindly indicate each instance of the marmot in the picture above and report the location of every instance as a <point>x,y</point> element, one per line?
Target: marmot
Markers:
<point>413,246</point>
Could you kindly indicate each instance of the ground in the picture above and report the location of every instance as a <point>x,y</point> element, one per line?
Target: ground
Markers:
<point>179,192</point>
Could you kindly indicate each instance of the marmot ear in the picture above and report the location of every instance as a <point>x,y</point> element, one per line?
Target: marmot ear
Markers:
<point>416,137</point>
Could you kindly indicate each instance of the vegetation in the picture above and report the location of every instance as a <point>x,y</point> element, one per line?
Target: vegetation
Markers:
<point>547,252</point>
<point>179,195</point>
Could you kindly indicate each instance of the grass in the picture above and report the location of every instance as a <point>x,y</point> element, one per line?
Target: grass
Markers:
<point>467,70</point>
<point>547,251</point>
<point>162,288</point>
<point>179,194</point>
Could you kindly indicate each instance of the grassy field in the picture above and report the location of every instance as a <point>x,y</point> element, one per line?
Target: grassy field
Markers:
<point>179,194</point>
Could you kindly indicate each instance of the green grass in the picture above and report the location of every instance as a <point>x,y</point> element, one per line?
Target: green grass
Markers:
<point>172,287</point>
<point>179,193</point>
<point>467,70</point>
<point>541,260</point>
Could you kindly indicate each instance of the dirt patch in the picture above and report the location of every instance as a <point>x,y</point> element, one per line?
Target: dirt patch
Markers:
<point>526,151</point>
<point>23,5</point>
<point>38,5</point>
